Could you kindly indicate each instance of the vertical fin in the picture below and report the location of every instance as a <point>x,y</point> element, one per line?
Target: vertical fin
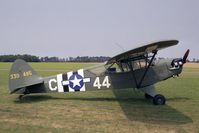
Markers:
<point>22,75</point>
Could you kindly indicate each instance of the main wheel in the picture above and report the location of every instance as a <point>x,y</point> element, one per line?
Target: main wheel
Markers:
<point>159,99</point>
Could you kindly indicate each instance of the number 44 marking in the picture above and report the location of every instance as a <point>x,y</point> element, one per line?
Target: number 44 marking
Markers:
<point>105,82</point>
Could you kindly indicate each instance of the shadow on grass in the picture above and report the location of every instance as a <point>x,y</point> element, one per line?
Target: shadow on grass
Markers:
<point>140,109</point>
<point>40,98</point>
<point>135,107</point>
<point>33,98</point>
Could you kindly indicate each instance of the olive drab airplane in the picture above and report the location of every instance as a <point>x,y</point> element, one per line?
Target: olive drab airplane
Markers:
<point>136,68</point>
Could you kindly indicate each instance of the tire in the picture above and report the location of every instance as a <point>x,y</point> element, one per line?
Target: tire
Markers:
<point>147,96</point>
<point>159,100</point>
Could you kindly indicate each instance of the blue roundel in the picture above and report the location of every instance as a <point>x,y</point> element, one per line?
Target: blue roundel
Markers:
<point>76,82</point>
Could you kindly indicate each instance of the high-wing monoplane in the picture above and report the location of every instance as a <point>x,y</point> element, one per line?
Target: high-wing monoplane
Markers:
<point>136,68</point>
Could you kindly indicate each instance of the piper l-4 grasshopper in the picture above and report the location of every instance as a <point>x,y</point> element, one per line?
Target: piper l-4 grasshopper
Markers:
<point>136,68</point>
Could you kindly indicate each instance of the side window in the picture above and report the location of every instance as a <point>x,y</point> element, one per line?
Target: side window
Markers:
<point>125,67</point>
<point>138,64</point>
<point>135,65</point>
<point>130,64</point>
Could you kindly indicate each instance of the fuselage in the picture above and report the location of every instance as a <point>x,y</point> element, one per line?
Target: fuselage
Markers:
<point>88,80</point>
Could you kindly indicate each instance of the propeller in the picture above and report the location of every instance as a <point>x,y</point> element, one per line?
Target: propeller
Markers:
<point>179,62</point>
<point>184,59</point>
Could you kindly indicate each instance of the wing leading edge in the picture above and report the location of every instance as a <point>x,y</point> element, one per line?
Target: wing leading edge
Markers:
<point>143,50</point>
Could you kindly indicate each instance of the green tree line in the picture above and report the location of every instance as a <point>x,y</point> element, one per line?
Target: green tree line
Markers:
<point>12,58</point>
<point>32,58</point>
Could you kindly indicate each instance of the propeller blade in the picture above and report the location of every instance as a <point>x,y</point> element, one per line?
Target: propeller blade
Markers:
<point>185,56</point>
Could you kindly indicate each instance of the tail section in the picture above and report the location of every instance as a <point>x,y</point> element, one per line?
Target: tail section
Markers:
<point>22,76</point>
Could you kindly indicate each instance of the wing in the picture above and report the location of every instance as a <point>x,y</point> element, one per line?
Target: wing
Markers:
<point>143,50</point>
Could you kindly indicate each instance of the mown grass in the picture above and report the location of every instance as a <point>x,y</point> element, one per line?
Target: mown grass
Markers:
<point>101,111</point>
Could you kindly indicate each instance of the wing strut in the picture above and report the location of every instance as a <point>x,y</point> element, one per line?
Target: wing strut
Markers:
<point>145,72</point>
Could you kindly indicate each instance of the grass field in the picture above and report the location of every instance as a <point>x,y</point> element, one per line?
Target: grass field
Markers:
<point>101,111</point>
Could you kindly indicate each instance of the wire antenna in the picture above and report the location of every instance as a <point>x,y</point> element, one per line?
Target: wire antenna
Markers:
<point>120,46</point>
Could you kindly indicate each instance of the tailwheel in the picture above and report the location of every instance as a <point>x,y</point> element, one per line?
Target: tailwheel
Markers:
<point>159,99</point>
<point>20,97</point>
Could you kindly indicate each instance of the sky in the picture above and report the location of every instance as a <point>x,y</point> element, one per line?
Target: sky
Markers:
<point>66,28</point>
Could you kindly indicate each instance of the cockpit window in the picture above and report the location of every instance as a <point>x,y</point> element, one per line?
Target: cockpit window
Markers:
<point>130,64</point>
<point>143,63</point>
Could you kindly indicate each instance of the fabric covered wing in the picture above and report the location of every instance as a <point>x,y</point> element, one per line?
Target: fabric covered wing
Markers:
<point>142,50</point>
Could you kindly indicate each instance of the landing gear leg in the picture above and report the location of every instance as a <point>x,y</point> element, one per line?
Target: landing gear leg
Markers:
<point>147,96</point>
<point>150,93</point>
